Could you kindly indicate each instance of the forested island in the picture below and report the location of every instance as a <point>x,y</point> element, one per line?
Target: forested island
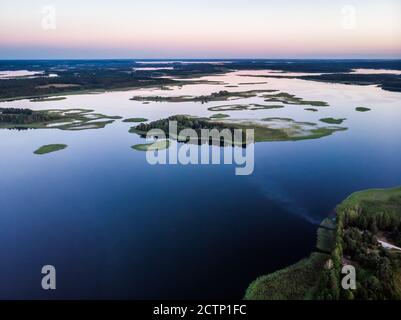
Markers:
<point>64,119</point>
<point>25,117</point>
<point>269,95</point>
<point>222,95</point>
<point>365,233</point>
<point>268,129</point>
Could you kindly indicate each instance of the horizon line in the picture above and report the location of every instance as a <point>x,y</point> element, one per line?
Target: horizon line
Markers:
<point>195,59</point>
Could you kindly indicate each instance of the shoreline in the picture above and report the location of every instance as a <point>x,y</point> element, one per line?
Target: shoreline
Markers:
<point>333,241</point>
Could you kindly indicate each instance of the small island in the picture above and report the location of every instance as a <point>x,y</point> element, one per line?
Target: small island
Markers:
<point>45,99</point>
<point>362,109</point>
<point>219,116</point>
<point>153,146</point>
<point>50,148</point>
<point>291,99</point>
<point>133,120</point>
<point>332,120</point>
<point>241,107</point>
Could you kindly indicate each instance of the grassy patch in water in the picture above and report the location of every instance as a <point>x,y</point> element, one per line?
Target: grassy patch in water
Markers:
<point>291,99</point>
<point>362,109</point>
<point>241,107</point>
<point>44,99</point>
<point>219,116</point>
<point>135,120</point>
<point>50,148</point>
<point>153,146</point>
<point>332,120</point>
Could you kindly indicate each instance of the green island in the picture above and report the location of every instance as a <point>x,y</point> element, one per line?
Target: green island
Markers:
<point>240,107</point>
<point>362,109</point>
<point>288,98</point>
<point>365,233</point>
<point>135,120</point>
<point>219,116</point>
<point>251,83</point>
<point>222,95</point>
<point>311,109</point>
<point>44,99</point>
<point>332,120</point>
<point>50,148</point>
<point>268,129</point>
<point>63,119</point>
<point>153,146</point>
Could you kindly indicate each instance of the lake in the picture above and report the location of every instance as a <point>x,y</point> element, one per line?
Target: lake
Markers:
<point>116,227</point>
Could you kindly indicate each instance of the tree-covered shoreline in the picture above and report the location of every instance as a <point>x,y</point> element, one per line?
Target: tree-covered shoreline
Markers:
<point>361,221</point>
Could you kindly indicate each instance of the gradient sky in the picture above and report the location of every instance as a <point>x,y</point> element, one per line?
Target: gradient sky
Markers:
<point>201,29</point>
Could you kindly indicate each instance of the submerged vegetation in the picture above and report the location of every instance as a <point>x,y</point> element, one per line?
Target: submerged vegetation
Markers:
<point>367,235</point>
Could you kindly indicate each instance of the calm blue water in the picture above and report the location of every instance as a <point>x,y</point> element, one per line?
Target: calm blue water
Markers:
<point>116,227</point>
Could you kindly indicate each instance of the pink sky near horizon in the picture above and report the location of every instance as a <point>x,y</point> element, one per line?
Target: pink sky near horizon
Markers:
<point>197,31</point>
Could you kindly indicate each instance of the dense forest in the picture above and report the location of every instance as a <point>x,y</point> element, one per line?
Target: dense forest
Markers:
<point>25,116</point>
<point>362,220</point>
<point>185,122</point>
<point>76,80</point>
<point>351,238</point>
